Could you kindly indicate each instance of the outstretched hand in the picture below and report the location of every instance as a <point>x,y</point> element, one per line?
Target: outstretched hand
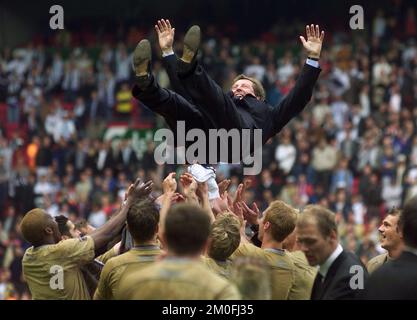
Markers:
<point>314,41</point>
<point>169,185</point>
<point>165,35</point>
<point>139,190</point>
<point>188,183</point>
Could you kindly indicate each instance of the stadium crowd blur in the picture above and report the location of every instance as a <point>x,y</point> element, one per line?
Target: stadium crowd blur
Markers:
<point>355,156</point>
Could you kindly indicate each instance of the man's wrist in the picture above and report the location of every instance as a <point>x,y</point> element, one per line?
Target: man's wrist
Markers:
<point>167,52</point>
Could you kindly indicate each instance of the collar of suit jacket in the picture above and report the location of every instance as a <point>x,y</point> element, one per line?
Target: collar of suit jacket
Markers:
<point>324,268</point>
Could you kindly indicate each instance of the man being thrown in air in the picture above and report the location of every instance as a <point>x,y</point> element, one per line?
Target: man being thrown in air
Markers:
<point>202,104</point>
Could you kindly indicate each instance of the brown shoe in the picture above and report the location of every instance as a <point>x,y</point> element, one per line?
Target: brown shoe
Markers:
<point>142,58</point>
<point>192,41</point>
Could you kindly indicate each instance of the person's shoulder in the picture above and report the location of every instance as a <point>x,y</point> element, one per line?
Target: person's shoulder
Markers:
<point>119,260</point>
<point>248,249</point>
<point>376,262</point>
<point>280,259</point>
<point>300,261</point>
<point>212,280</point>
<point>350,257</point>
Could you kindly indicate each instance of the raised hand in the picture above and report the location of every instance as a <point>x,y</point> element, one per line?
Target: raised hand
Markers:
<point>224,185</point>
<point>165,35</point>
<point>202,190</point>
<point>169,185</point>
<point>177,197</point>
<point>251,215</point>
<point>188,183</point>
<point>139,190</point>
<point>314,41</point>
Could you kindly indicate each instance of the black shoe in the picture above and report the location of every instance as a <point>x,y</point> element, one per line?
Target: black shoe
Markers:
<point>142,59</point>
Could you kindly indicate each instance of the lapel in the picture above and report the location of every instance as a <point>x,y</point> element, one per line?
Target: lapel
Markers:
<point>331,273</point>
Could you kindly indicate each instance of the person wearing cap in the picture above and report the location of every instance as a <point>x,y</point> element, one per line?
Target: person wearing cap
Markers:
<point>208,107</point>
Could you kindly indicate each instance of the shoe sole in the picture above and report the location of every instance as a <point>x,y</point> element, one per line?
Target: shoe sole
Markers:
<point>142,56</point>
<point>192,41</point>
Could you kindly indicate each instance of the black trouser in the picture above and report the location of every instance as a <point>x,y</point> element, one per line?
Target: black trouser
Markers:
<point>173,107</point>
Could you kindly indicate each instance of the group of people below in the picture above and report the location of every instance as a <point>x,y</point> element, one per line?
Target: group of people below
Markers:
<point>182,245</point>
<point>199,242</point>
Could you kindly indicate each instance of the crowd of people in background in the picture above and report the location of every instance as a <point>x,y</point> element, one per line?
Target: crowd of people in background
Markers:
<point>352,150</point>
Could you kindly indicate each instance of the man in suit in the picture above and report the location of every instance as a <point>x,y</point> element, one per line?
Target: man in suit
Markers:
<point>397,279</point>
<point>391,240</point>
<point>244,107</point>
<point>341,275</point>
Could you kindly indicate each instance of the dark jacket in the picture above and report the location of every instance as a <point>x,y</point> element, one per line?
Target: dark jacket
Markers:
<point>395,280</point>
<point>337,283</point>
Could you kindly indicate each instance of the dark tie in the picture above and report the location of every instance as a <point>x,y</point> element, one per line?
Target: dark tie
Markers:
<point>317,288</point>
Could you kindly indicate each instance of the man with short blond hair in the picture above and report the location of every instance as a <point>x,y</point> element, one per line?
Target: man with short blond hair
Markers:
<point>277,223</point>
<point>223,241</point>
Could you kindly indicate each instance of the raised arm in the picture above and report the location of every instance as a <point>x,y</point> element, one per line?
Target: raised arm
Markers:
<point>296,100</point>
<point>169,185</point>
<point>169,59</point>
<point>101,236</point>
<point>202,193</point>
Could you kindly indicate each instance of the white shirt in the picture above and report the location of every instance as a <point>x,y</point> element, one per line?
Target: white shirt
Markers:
<point>324,268</point>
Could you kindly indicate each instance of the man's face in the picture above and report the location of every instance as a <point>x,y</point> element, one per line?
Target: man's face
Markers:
<point>55,230</point>
<point>75,233</point>
<point>242,87</point>
<point>390,235</point>
<point>315,247</point>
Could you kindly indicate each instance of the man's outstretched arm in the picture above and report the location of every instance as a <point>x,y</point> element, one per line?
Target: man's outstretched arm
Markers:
<point>101,236</point>
<point>166,34</point>
<point>296,100</point>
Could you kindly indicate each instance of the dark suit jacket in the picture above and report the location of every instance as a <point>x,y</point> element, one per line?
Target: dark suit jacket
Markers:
<point>395,280</point>
<point>251,112</point>
<point>336,285</point>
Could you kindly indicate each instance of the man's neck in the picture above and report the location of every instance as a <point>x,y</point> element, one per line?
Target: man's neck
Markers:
<point>396,252</point>
<point>145,243</point>
<point>270,243</point>
<point>45,243</point>
<point>175,256</point>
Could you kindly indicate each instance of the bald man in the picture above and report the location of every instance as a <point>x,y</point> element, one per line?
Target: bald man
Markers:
<point>51,267</point>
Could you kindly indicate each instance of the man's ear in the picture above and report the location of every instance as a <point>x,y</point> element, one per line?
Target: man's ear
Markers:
<point>163,240</point>
<point>333,236</point>
<point>267,225</point>
<point>48,230</point>
<point>206,247</point>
